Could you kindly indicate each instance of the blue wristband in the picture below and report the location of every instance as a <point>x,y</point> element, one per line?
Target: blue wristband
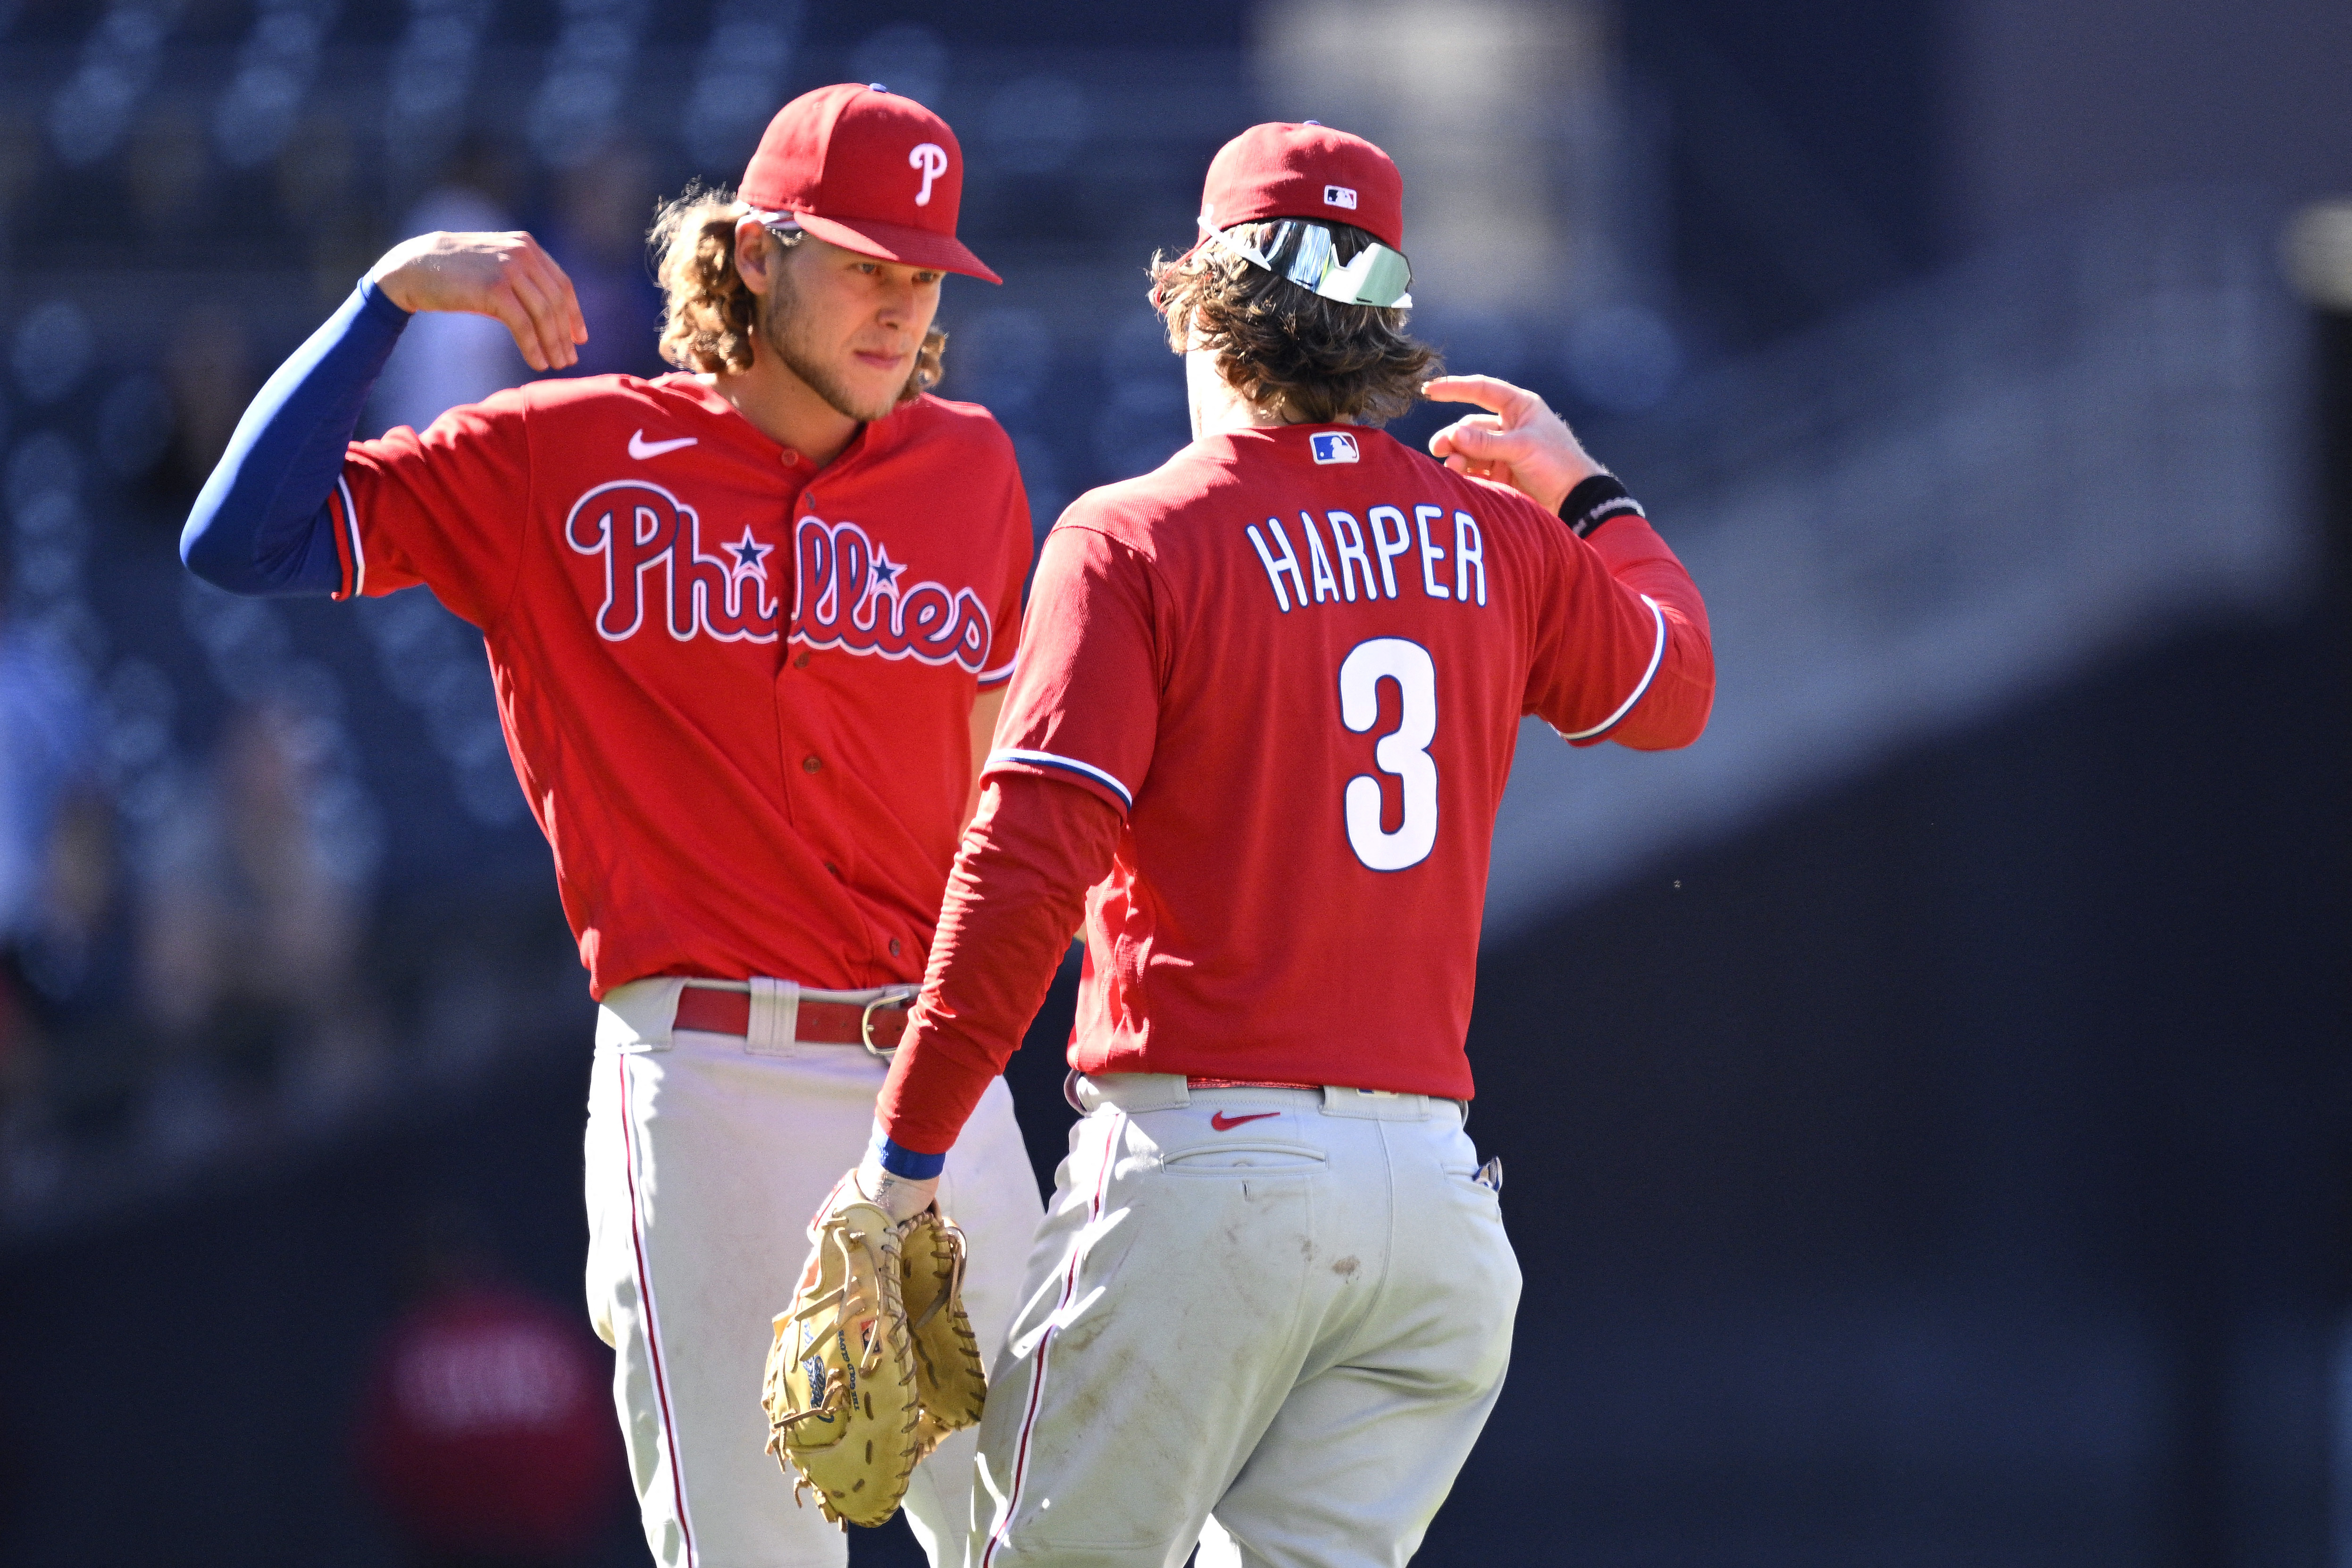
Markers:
<point>914,1165</point>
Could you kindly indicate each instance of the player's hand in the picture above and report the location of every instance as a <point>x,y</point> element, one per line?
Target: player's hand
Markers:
<point>900,1197</point>
<point>505,275</point>
<point>1519,442</point>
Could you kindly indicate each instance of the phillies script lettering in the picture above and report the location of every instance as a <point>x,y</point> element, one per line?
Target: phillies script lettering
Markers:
<point>850,594</point>
<point>854,596</point>
<point>641,529</point>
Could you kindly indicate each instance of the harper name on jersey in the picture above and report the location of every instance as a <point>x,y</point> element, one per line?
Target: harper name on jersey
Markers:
<point>1388,539</point>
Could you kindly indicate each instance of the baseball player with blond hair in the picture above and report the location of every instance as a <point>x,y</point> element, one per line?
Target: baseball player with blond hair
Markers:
<point>1266,703</point>
<point>745,623</point>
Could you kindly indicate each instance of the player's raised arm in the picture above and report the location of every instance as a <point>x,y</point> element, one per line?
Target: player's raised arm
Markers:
<point>1519,441</point>
<point>262,524</point>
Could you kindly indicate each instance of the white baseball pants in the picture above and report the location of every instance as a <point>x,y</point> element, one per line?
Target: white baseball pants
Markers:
<point>706,1156</point>
<point>1286,1310</point>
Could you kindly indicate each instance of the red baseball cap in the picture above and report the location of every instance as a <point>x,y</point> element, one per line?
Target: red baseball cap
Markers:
<point>869,171</point>
<point>1305,171</point>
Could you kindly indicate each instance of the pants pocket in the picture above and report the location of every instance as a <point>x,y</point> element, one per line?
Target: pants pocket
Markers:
<point>1224,1158</point>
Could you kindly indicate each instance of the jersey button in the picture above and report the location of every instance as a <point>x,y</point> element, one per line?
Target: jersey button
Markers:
<point>894,947</point>
<point>810,764</point>
<point>802,662</point>
<point>831,867</point>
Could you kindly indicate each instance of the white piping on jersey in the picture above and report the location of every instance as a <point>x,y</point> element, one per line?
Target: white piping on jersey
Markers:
<point>351,526</point>
<point>1001,672</point>
<point>1048,760</point>
<point>1657,657</point>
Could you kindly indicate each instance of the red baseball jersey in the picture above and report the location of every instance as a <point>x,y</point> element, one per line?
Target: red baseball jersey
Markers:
<point>737,691</point>
<point>1296,659</point>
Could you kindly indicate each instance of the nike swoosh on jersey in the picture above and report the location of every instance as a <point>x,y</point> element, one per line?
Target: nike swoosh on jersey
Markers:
<point>641,448</point>
<point>1225,1123</point>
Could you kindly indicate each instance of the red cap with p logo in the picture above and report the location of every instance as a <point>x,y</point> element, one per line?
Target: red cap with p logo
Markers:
<point>866,169</point>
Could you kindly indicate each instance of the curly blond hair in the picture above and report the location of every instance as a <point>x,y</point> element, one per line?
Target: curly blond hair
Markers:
<point>709,319</point>
<point>1288,349</point>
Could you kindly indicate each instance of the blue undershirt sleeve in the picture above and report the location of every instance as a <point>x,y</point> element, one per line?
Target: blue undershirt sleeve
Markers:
<point>261,524</point>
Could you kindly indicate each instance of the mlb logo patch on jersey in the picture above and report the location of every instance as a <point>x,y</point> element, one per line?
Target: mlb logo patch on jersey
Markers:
<point>1339,196</point>
<point>1332,446</point>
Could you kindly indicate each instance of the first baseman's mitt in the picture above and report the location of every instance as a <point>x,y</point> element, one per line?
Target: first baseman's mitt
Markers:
<point>840,1390</point>
<point>949,1380</point>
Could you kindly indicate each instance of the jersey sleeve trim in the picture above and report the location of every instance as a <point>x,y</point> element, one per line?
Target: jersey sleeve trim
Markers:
<point>1001,674</point>
<point>340,534</point>
<point>1067,764</point>
<point>353,553</point>
<point>1657,657</point>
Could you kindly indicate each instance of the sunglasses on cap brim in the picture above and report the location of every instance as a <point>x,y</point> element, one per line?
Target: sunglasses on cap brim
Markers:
<point>1306,254</point>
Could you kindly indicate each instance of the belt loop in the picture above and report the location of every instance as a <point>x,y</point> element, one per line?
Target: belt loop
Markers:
<point>1376,1104</point>
<point>775,1015</point>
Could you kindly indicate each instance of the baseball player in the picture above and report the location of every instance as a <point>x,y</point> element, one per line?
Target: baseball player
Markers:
<point>744,622</point>
<point>1267,702</point>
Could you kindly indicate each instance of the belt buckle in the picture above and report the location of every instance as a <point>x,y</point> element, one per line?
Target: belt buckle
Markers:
<point>884,998</point>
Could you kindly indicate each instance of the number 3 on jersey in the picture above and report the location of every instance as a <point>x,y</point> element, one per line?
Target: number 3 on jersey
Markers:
<point>1404,752</point>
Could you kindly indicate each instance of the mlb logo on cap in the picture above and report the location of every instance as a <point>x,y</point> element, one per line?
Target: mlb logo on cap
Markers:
<point>1339,196</point>
<point>1332,446</point>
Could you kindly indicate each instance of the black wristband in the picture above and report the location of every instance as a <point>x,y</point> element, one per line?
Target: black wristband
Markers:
<point>1594,503</point>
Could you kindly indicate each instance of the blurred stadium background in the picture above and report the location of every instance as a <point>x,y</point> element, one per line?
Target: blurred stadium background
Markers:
<point>1924,1099</point>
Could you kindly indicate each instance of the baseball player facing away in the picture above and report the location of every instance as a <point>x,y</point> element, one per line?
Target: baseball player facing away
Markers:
<point>1267,702</point>
<point>744,622</point>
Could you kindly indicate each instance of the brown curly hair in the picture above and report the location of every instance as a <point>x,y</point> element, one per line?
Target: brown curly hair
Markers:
<point>1288,349</point>
<point>709,320</point>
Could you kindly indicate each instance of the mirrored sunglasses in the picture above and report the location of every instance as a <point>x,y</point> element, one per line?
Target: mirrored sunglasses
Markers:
<point>1306,253</point>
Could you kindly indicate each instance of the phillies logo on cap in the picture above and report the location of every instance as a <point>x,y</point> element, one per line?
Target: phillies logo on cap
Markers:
<point>1332,446</point>
<point>932,160</point>
<point>860,167</point>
